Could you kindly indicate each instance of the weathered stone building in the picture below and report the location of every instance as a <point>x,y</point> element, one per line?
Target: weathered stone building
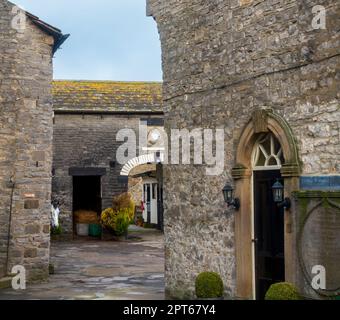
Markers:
<point>267,71</point>
<point>87,118</point>
<point>27,45</point>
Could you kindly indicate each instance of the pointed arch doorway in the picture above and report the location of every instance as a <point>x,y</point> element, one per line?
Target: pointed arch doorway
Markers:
<point>264,237</point>
<point>268,218</point>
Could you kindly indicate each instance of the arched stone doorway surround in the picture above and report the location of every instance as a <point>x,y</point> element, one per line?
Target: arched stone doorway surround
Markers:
<point>263,120</point>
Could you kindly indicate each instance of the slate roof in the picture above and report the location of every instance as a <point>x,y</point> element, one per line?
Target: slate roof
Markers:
<point>107,96</point>
<point>59,37</point>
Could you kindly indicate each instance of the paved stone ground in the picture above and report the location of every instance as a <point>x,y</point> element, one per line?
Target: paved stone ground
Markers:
<point>103,270</point>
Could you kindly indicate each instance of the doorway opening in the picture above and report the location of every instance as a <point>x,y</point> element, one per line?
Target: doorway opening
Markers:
<point>87,194</point>
<point>268,219</point>
<point>153,200</point>
<point>268,233</point>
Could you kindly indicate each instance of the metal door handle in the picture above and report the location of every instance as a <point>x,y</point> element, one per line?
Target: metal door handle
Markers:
<point>255,240</point>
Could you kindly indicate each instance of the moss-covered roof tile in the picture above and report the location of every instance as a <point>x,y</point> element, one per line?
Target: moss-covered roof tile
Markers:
<point>107,96</point>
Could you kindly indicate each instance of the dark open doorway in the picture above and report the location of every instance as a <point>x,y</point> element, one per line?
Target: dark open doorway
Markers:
<point>269,233</point>
<point>87,193</point>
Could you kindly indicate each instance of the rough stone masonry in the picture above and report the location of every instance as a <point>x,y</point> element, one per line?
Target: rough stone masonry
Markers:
<point>85,131</point>
<point>25,141</point>
<point>222,59</point>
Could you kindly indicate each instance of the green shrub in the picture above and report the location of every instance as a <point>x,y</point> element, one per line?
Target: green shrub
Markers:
<point>123,222</point>
<point>209,285</point>
<point>124,201</point>
<point>283,291</point>
<point>117,221</point>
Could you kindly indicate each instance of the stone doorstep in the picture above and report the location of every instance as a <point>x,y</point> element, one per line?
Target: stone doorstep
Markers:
<point>6,282</point>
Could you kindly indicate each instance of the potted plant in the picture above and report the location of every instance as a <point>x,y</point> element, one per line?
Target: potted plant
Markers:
<point>283,291</point>
<point>209,285</point>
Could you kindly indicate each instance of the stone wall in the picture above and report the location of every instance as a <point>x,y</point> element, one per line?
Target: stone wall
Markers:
<point>318,239</point>
<point>221,60</point>
<point>88,140</point>
<point>25,145</point>
<point>136,189</point>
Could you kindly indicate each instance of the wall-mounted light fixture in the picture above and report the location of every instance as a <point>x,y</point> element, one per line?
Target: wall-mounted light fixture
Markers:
<point>278,196</point>
<point>230,200</point>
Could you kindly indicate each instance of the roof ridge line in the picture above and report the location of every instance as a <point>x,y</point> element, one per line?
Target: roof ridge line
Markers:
<point>106,81</point>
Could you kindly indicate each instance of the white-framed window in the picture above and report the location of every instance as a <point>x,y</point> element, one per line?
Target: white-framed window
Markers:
<point>267,154</point>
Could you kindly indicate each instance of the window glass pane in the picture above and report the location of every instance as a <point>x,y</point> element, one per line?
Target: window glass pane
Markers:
<point>262,160</point>
<point>154,190</point>
<point>272,162</point>
<point>148,193</point>
<point>268,152</point>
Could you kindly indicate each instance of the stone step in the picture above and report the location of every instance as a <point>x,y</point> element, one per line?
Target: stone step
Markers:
<point>5,282</point>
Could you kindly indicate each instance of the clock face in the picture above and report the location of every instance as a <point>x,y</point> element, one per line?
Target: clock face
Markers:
<point>154,136</point>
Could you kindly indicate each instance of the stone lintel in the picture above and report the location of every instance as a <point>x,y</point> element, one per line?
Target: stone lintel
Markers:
<point>91,171</point>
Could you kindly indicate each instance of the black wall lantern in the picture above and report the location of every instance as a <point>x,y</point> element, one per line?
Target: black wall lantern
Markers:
<point>278,196</point>
<point>228,194</point>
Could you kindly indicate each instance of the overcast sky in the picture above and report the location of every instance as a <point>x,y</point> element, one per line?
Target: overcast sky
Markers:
<point>110,39</point>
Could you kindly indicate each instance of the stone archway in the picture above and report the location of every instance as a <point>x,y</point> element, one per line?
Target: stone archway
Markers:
<point>143,160</point>
<point>140,171</point>
<point>263,120</point>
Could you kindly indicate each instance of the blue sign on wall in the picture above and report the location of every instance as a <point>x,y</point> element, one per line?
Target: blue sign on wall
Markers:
<point>327,183</point>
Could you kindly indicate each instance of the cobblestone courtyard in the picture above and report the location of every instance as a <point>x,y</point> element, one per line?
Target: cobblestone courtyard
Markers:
<point>103,270</point>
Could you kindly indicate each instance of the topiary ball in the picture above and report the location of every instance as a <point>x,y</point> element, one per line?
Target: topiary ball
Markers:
<point>209,285</point>
<point>283,291</point>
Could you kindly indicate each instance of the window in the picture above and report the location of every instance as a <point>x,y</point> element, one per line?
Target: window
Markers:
<point>267,153</point>
<point>154,191</point>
